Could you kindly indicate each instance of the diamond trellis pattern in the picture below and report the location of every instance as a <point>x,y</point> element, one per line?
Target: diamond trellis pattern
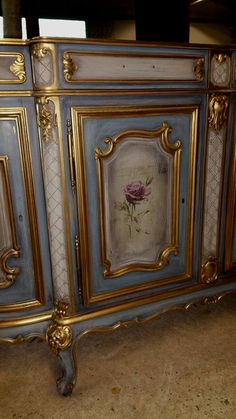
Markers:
<point>220,75</point>
<point>43,70</point>
<point>212,191</point>
<point>54,197</point>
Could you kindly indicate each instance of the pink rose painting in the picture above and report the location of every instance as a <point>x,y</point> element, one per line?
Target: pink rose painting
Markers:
<point>135,194</point>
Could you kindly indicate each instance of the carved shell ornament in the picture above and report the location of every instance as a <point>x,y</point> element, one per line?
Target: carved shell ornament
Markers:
<point>218,111</point>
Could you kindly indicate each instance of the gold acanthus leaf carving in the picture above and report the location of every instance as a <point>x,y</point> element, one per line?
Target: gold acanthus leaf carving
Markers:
<point>199,70</point>
<point>10,272</point>
<point>69,66</point>
<point>39,51</point>
<point>46,117</point>
<point>218,111</point>
<point>59,337</point>
<point>18,68</point>
<point>220,58</point>
<point>209,269</point>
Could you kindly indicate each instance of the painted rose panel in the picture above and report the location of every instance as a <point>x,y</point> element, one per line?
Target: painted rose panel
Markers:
<point>137,191</point>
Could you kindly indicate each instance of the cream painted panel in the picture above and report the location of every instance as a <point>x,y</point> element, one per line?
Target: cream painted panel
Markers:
<point>110,67</point>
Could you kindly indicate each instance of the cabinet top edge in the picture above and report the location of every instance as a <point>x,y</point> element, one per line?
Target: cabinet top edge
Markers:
<point>96,41</point>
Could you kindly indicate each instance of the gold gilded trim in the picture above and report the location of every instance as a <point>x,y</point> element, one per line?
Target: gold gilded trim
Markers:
<point>39,51</point>
<point>220,57</point>
<point>46,117</point>
<point>218,111</point>
<point>24,321</point>
<point>174,149</point>
<point>69,67</point>
<point>199,69</point>
<point>71,153</point>
<point>209,271</point>
<point>10,272</point>
<point>79,116</point>
<point>59,337</point>
<point>18,68</point>
<point>19,117</point>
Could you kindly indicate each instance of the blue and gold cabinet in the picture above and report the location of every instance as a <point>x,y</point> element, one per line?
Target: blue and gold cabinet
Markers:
<point>117,186</point>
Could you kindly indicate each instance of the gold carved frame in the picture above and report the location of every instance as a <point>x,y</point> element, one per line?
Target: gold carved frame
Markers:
<point>79,115</point>
<point>173,149</point>
<point>18,115</point>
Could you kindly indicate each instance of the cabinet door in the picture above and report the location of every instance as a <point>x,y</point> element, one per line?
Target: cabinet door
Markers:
<point>24,255</point>
<point>136,186</point>
<point>230,188</point>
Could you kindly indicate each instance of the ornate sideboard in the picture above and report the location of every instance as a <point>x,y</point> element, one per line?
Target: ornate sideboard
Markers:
<point>117,186</point>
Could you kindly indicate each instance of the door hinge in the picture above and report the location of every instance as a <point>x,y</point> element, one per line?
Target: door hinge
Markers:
<point>78,264</point>
<point>71,154</point>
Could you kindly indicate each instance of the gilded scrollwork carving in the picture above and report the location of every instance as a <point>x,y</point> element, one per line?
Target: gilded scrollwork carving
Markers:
<point>209,270</point>
<point>199,70</point>
<point>218,111</point>
<point>59,336</point>
<point>10,273</point>
<point>69,66</point>
<point>18,68</point>
<point>39,51</point>
<point>46,117</point>
<point>220,58</point>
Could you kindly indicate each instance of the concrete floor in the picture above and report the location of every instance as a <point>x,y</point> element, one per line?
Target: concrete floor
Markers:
<point>182,365</point>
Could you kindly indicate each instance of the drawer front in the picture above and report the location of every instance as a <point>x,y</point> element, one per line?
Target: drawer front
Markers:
<point>112,66</point>
<point>24,262</point>
<point>136,178</point>
<point>15,68</point>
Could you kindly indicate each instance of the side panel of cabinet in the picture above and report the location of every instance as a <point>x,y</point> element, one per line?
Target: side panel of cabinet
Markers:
<point>24,255</point>
<point>137,190</point>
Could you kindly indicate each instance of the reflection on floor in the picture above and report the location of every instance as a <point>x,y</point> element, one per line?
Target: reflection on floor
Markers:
<point>182,365</point>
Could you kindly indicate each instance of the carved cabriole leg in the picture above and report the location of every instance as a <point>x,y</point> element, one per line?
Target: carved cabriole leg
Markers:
<point>66,382</point>
<point>59,338</point>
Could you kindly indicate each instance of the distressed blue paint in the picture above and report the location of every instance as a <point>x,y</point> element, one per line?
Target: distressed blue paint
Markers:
<point>23,288</point>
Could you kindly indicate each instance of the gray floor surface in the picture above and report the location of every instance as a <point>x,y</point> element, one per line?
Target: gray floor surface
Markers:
<point>181,365</point>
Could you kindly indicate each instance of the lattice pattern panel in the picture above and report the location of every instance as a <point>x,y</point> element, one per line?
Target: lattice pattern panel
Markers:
<point>220,71</point>
<point>55,211</point>
<point>214,175</point>
<point>43,69</point>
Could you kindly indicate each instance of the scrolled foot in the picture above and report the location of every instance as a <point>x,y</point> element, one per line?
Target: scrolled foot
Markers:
<point>63,387</point>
